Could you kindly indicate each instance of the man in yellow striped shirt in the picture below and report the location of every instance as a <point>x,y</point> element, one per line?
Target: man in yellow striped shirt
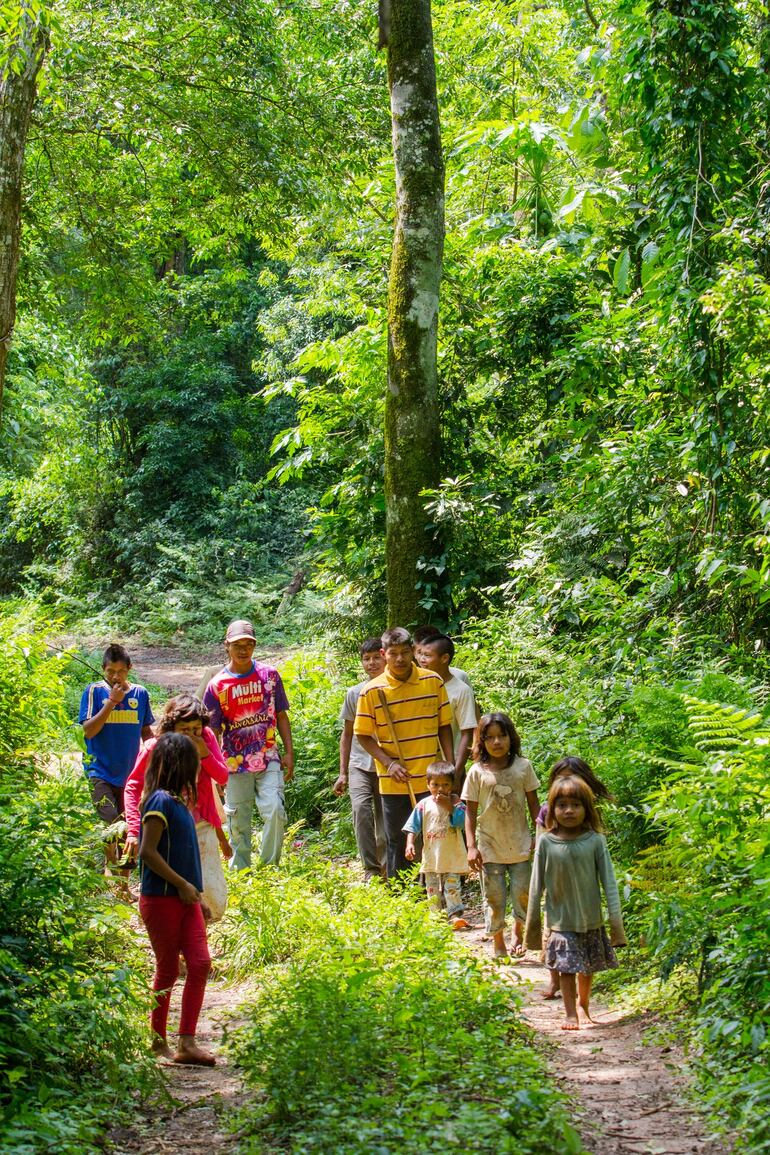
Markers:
<point>404,721</point>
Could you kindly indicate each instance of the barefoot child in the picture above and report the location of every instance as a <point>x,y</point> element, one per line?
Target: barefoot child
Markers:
<point>185,714</point>
<point>572,865</point>
<point>564,768</point>
<point>170,902</point>
<point>440,819</point>
<point>501,786</point>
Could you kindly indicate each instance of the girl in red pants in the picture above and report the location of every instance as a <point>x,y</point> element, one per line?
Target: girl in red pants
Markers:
<point>170,901</point>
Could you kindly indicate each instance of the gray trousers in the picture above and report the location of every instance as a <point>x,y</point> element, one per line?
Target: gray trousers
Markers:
<point>367,819</point>
<point>241,792</point>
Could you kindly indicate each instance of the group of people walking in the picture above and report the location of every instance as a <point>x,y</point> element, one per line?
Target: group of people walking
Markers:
<point>407,733</point>
<point>165,779</point>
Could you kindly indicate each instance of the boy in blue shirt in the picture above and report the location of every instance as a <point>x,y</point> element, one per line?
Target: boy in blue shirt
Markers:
<point>116,717</point>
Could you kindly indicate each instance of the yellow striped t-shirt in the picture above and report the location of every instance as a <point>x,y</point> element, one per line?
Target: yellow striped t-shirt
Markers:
<point>418,707</point>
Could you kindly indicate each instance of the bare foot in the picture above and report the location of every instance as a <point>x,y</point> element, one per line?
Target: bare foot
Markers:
<point>191,1053</point>
<point>161,1049</point>
<point>551,993</point>
<point>585,1013</point>
<point>500,949</point>
<point>571,1024</point>
<point>517,947</point>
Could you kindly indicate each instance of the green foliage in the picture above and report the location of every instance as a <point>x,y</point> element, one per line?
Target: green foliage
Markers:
<point>709,905</point>
<point>371,1029</point>
<point>202,318</point>
<point>30,687</point>
<point>316,689</point>
<point>72,1009</point>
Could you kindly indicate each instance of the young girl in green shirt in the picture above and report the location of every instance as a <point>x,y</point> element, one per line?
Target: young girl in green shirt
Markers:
<point>572,865</point>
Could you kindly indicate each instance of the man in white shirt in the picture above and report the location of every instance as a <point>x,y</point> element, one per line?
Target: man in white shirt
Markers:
<point>436,653</point>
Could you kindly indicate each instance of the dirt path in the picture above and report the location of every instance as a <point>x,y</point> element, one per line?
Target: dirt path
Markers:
<point>173,668</point>
<point>202,1098</point>
<point>628,1092</point>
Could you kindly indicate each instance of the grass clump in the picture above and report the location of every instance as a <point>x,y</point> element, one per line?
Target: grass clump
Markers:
<point>372,1031</point>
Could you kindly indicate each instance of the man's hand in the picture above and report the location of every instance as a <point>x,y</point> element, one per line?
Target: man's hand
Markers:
<point>398,773</point>
<point>341,785</point>
<point>118,692</point>
<point>287,761</point>
<point>475,861</point>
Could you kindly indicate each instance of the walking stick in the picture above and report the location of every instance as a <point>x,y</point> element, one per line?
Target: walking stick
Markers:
<point>394,740</point>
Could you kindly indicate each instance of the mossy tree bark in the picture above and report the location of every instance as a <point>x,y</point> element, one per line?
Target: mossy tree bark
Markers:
<point>20,63</point>
<point>412,436</point>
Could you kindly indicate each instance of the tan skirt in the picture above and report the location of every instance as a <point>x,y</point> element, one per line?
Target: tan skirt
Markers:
<point>214,884</point>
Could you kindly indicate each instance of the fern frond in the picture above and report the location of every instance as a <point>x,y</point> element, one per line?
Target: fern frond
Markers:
<point>716,728</point>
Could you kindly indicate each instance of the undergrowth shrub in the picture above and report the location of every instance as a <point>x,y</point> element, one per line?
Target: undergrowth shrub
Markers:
<point>371,1029</point>
<point>32,715</point>
<point>708,889</point>
<point>72,1011</point>
<point>316,686</point>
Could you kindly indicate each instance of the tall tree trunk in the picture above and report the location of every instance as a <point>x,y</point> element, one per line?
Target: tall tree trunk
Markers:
<point>20,64</point>
<point>412,436</point>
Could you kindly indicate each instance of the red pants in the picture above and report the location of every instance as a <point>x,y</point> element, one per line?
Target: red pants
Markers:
<point>176,927</point>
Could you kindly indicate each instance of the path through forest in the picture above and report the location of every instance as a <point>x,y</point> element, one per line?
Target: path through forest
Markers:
<point>626,1088</point>
<point>628,1093</point>
<point>193,1121</point>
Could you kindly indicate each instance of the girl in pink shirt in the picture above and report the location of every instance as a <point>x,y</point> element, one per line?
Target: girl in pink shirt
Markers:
<point>185,714</point>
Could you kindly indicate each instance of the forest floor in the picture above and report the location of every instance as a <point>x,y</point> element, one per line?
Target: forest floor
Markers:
<point>629,1095</point>
<point>193,1120</point>
<point>176,670</point>
<point>627,1087</point>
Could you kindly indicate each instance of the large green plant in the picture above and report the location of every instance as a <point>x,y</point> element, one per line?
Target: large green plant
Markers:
<point>427,1050</point>
<point>708,882</point>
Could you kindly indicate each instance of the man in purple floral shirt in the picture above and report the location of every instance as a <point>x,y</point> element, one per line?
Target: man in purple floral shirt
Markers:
<point>248,707</point>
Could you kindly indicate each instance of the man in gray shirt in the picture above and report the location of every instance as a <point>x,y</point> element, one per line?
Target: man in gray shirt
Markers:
<point>358,774</point>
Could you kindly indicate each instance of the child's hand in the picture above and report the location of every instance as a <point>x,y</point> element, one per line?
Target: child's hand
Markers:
<point>206,911</point>
<point>130,848</point>
<point>200,745</point>
<point>189,894</point>
<point>227,850</point>
<point>475,861</point>
<point>409,852</point>
<point>444,802</point>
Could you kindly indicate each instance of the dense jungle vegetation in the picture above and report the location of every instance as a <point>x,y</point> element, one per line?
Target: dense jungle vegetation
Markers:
<point>193,420</point>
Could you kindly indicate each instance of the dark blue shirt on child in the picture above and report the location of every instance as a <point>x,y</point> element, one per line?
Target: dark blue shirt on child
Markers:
<point>178,845</point>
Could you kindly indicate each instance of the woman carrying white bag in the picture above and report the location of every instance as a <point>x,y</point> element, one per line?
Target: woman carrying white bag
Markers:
<point>185,714</point>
